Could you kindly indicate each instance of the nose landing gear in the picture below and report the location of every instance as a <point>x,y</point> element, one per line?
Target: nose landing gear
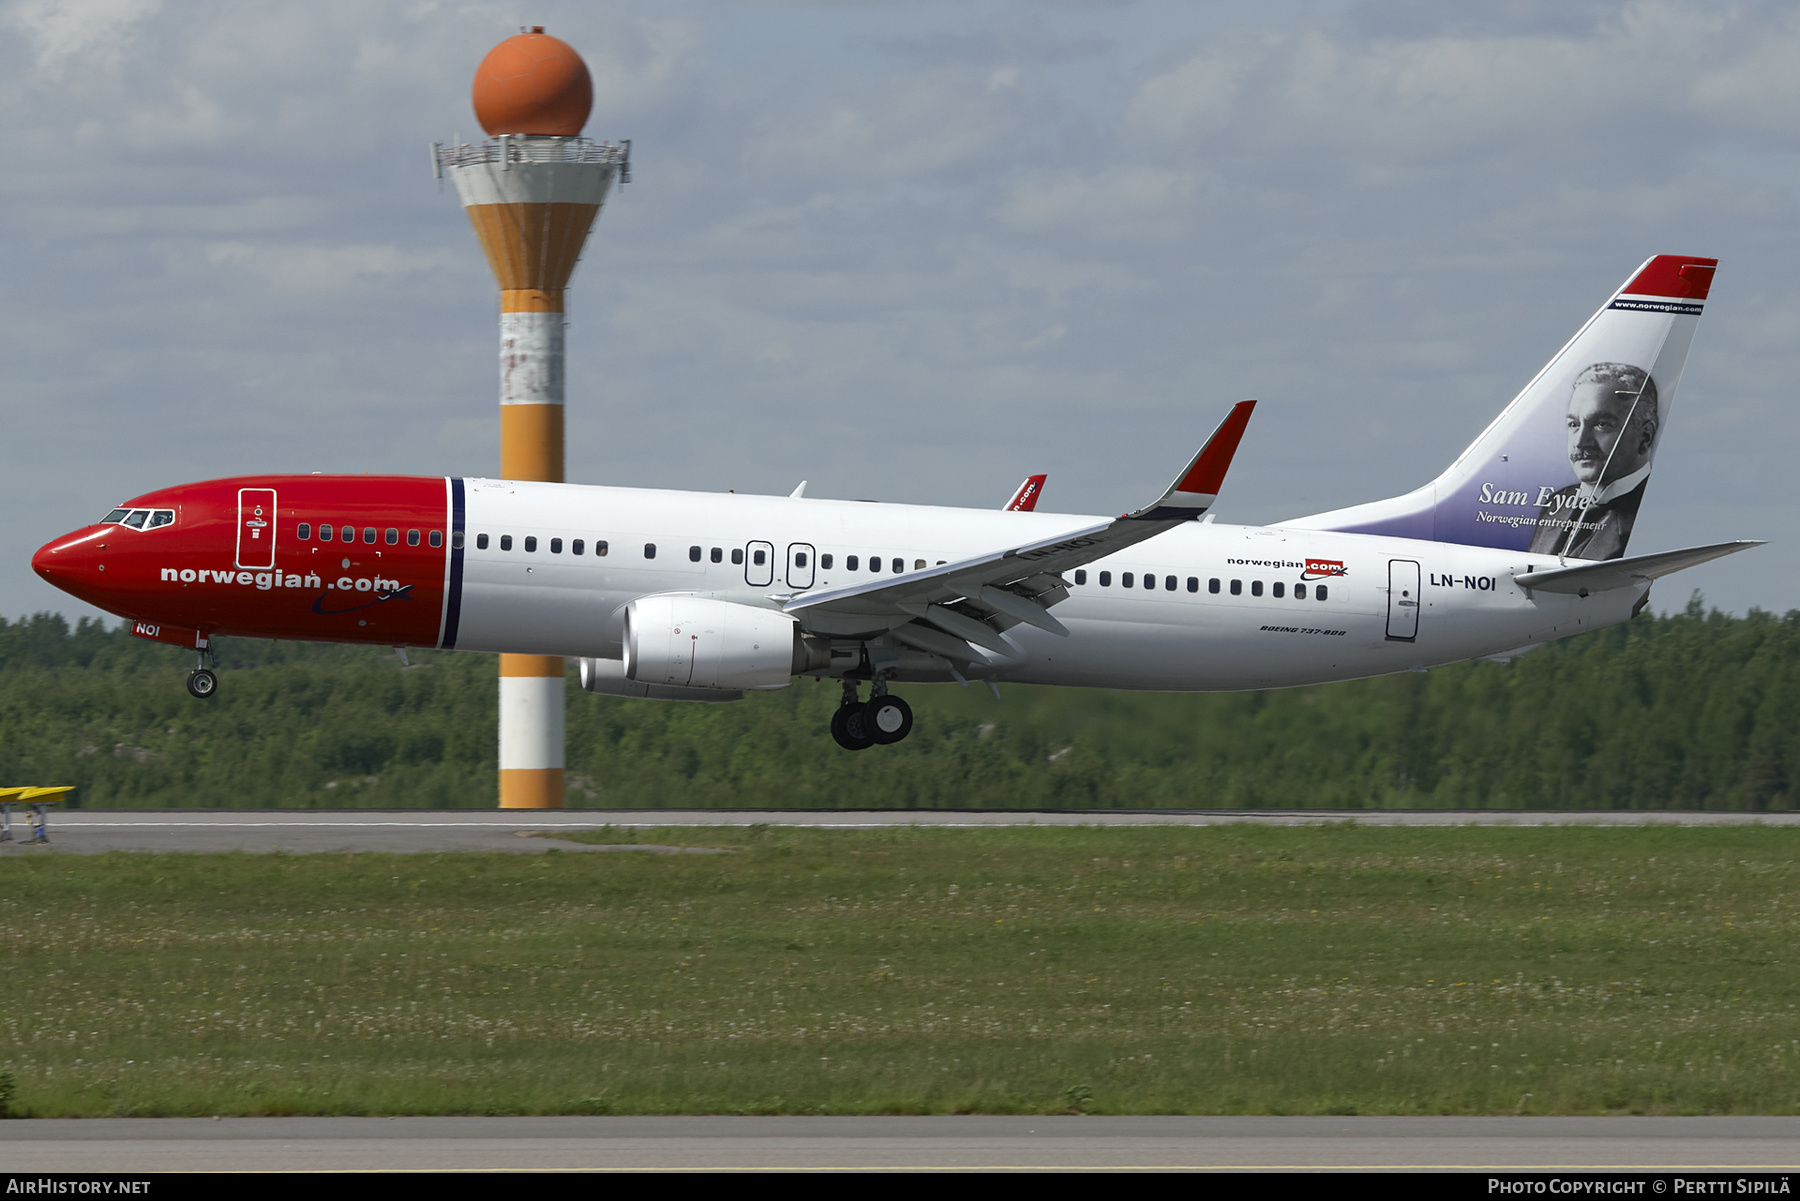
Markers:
<point>201,682</point>
<point>883,720</point>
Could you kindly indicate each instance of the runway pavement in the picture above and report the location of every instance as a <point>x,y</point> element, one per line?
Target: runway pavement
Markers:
<point>91,831</point>
<point>1709,1144</point>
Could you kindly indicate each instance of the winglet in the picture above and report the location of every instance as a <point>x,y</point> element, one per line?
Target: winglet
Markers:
<point>1194,492</point>
<point>1026,498</point>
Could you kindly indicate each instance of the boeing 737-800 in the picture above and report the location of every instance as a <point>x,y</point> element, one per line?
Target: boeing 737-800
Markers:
<point>690,596</point>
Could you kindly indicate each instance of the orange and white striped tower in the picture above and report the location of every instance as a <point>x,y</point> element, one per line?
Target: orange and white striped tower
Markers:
<point>532,191</point>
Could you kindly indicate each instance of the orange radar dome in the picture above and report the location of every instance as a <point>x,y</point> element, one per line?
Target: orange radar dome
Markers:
<point>533,84</point>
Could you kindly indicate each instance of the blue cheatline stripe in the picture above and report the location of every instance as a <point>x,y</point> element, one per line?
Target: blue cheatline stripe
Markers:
<point>1657,306</point>
<point>453,602</point>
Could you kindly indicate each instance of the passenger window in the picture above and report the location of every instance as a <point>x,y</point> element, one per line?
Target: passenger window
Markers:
<point>718,556</point>
<point>324,533</point>
<point>599,549</point>
<point>556,546</point>
<point>531,544</point>
<point>1169,583</point>
<point>303,531</point>
<point>1237,587</point>
<point>1255,587</point>
<point>649,550</point>
<point>577,546</point>
<point>899,566</point>
<point>369,534</point>
<point>737,556</point>
<point>1279,588</point>
<point>481,542</point>
<point>918,565</point>
<point>850,562</point>
<point>161,517</point>
<point>136,520</point>
<point>1212,586</point>
<point>348,533</point>
<point>693,554</point>
<point>1299,591</point>
<point>1081,575</point>
<point>1127,579</point>
<point>392,537</point>
<point>759,557</point>
<point>1106,579</point>
<point>1320,592</point>
<point>506,542</point>
<point>437,539</point>
<point>825,562</point>
<point>1194,584</point>
<point>412,537</point>
<point>800,558</point>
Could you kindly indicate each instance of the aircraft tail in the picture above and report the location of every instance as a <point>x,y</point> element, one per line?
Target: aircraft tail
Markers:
<point>1563,469</point>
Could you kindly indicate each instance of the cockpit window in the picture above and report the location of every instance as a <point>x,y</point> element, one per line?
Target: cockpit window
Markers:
<point>114,517</point>
<point>161,517</point>
<point>136,520</point>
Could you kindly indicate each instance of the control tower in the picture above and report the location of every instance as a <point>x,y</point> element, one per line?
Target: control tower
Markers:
<point>532,191</point>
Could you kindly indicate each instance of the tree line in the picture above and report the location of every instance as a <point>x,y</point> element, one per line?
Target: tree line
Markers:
<point>1691,710</point>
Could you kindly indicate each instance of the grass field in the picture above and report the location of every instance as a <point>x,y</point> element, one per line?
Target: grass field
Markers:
<point>1217,970</point>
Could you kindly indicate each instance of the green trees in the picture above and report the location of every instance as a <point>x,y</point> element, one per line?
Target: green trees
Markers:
<point>1689,710</point>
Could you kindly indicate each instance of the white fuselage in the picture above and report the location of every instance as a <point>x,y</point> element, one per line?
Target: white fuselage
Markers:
<point>1189,639</point>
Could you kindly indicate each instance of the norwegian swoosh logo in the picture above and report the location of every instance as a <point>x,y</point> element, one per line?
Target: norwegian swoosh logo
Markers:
<point>378,598</point>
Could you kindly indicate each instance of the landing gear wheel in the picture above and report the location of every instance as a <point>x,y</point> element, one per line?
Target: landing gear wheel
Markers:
<point>888,719</point>
<point>202,683</point>
<point>850,728</point>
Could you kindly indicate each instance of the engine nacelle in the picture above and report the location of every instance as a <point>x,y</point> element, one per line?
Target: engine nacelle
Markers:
<point>607,678</point>
<point>698,642</point>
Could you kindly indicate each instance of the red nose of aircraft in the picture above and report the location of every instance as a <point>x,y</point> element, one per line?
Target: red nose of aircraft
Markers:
<point>76,562</point>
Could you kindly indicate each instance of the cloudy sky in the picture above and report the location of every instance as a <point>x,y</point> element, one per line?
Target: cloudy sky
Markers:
<point>909,251</point>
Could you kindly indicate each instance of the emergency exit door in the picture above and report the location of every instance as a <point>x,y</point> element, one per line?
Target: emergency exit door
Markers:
<point>256,528</point>
<point>800,566</point>
<point>1403,600</point>
<point>759,564</point>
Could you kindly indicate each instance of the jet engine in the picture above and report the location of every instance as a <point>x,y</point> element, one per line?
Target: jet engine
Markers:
<point>697,642</point>
<point>607,678</point>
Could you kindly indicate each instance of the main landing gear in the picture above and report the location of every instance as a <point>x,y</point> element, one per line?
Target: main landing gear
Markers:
<point>883,719</point>
<point>201,681</point>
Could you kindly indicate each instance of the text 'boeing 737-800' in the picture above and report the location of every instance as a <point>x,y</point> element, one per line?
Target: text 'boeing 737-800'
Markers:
<point>690,596</point>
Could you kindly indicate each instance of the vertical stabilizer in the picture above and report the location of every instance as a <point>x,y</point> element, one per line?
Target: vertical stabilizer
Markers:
<point>1563,469</point>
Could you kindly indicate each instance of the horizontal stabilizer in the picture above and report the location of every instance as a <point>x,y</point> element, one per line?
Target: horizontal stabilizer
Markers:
<point>1622,573</point>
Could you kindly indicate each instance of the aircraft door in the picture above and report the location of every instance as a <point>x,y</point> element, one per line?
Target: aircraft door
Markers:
<point>1403,600</point>
<point>800,566</point>
<point>256,528</point>
<point>759,564</point>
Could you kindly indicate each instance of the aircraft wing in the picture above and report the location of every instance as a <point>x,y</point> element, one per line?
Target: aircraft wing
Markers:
<point>1619,573</point>
<point>951,609</point>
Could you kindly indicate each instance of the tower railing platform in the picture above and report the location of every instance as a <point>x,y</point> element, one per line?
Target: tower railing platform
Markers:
<point>519,148</point>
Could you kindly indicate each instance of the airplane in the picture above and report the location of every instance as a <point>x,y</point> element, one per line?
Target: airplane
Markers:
<point>693,596</point>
